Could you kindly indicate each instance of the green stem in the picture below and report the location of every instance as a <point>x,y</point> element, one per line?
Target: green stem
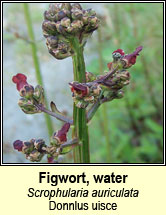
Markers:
<point>104,107</point>
<point>81,152</point>
<point>93,110</point>
<point>36,61</point>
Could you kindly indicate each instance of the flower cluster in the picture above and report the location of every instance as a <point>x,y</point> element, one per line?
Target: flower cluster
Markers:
<point>105,87</point>
<point>64,21</point>
<point>29,94</point>
<point>35,149</point>
<point>84,93</point>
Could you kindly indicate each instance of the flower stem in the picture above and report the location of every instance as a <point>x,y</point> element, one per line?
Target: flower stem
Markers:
<point>36,61</point>
<point>81,152</point>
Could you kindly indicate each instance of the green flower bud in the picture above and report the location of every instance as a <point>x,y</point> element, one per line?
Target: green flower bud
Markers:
<point>90,77</point>
<point>89,99</point>
<point>28,146</point>
<point>119,94</point>
<point>27,106</point>
<point>80,103</point>
<point>93,21</point>
<point>39,94</point>
<point>53,141</point>
<point>35,156</point>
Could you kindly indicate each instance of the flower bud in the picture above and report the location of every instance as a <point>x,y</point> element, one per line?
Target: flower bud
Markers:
<point>27,106</point>
<point>27,91</point>
<point>49,27</point>
<point>119,94</point>
<point>39,144</point>
<point>77,6</point>
<point>59,54</point>
<point>61,14</point>
<point>76,25</point>
<point>81,103</point>
<point>60,28</point>
<point>50,16</point>
<point>52,41</point>
<point>54,8</point>
<point>89,99</point>
<point>39,94</point>
<point>90,77</point>
<point>66,6</point>
<point>95,89</point>
<point>28,146</point>
<point>65,22</point>
<point>77,14</point>
<point>35,156</point>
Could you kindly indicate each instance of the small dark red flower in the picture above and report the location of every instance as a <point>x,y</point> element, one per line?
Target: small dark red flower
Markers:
<point>50,159</point>
<point>130,59</point>
<point>20,80</point>
<point>18,145</point>
<point>23,87</point>
<point>79,88</point>
<point>120,51</point>
<point>61,135</point>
